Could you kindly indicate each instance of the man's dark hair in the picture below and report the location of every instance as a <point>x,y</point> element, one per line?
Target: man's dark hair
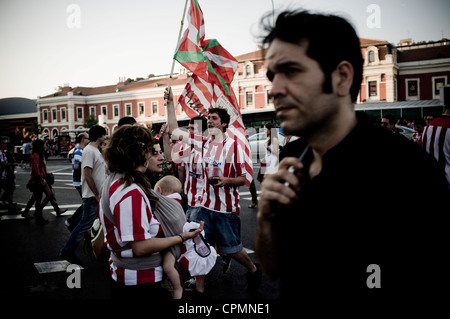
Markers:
<point>79,138</point>
<point>223,114</point>
<point>390,118</point>
<point>198,119</point>
<point>95,132</point>
<point>331,40</point>
<point>126,120</point>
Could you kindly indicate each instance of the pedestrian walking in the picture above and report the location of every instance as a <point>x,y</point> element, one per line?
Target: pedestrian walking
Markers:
<point>269,164</point>
<point>39,183</point>
<point>7,176</point>
<point>26,152</point>
<point>82,140</point>
<point>333,200</point>
<point>93,174</point>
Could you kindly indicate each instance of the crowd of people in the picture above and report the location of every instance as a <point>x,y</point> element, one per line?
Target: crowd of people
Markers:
<point>331,192</point>
<point>139,224</point>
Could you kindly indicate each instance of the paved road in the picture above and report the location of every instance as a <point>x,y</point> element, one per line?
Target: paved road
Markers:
<point>29,246</point>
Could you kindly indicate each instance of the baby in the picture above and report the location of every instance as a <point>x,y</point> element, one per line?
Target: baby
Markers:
<point>197,256</point>
<point>171,187</point>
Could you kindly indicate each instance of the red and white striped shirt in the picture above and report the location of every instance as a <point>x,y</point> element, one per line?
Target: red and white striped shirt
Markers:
<point>194,183</point>
<point>436,141</point>
<point>190,157</point>
<point>176,196</point>
<point>134,221</point>
<point>229,157</point>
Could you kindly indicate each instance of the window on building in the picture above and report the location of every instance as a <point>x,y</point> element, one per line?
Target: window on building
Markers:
<point>154,107</point>
<point>53,114</point>
<point>372,88</point>
<point>92,110</point>
<point>63,114</point>
<point>104,110</point>
<point>45,115</point>
<point>371,56</point>
<point>269,100</point>
<point>248,98</point>
<point>141,108</point>
<point>438,82</point>
<point>116,110</point>
<point>248,70</point>
<point>128,109</point>
<point>413,88</point>
<point>79,113</point>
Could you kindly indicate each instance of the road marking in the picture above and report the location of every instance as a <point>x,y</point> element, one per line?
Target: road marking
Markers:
<point>19,216</point>
<point>248,193</point>
<point>53,266</point>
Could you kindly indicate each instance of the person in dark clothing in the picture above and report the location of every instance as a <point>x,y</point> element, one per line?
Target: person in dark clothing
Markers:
<point>334,201</point>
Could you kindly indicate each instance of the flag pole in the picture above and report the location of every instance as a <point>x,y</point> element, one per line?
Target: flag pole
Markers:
<point>179,36</point>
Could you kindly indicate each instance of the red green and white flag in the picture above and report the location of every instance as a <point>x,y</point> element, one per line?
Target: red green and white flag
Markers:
<point>213,70</point>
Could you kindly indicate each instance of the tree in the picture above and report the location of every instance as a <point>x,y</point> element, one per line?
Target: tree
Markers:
<point>36,128</point>
<point>90,121</point>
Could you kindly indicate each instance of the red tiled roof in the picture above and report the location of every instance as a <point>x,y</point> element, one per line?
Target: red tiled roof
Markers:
<point>259,54</point>
<point>366,42</point>
<point>122,87</point>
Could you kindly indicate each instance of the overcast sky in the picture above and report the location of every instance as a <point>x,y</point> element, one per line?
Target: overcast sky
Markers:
<point>48,43</point>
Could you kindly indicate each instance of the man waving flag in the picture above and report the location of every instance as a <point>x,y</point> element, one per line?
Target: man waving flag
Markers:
<point>213,70</point>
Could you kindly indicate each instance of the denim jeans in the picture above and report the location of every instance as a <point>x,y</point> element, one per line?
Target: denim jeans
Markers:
<point>87,219</point>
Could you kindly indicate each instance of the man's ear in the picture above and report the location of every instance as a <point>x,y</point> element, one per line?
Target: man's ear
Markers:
<point>343,78</point>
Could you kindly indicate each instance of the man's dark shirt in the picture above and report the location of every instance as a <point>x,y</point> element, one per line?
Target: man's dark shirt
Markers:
<point>379,199</point>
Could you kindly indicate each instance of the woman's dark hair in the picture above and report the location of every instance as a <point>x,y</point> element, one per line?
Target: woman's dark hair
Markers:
<point>331,40</point>
<point>270,126</point>
<point>129,148</point>
<point>38,148</point>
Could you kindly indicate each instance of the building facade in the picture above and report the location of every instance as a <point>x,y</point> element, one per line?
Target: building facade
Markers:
<point>406,73</point>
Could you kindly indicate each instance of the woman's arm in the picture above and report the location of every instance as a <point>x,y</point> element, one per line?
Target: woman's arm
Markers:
<point>153,245</point>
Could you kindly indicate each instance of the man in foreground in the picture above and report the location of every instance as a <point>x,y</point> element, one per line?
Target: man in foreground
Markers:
<point>339,225</point>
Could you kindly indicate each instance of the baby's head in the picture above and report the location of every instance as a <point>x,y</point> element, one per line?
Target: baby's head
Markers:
<point>168,185</point>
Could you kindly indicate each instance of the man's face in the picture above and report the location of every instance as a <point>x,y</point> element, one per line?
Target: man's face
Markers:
<point>297,89</point>
<point>214,124</point>
<point>100,140</point>
<point>386,124</point>
<point>84,140</point>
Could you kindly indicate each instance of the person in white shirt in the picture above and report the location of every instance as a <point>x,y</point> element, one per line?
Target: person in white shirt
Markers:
<point>93,174</point>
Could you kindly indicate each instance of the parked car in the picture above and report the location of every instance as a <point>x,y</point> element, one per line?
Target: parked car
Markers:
<point>405,131</point>
<point>257,141</point>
